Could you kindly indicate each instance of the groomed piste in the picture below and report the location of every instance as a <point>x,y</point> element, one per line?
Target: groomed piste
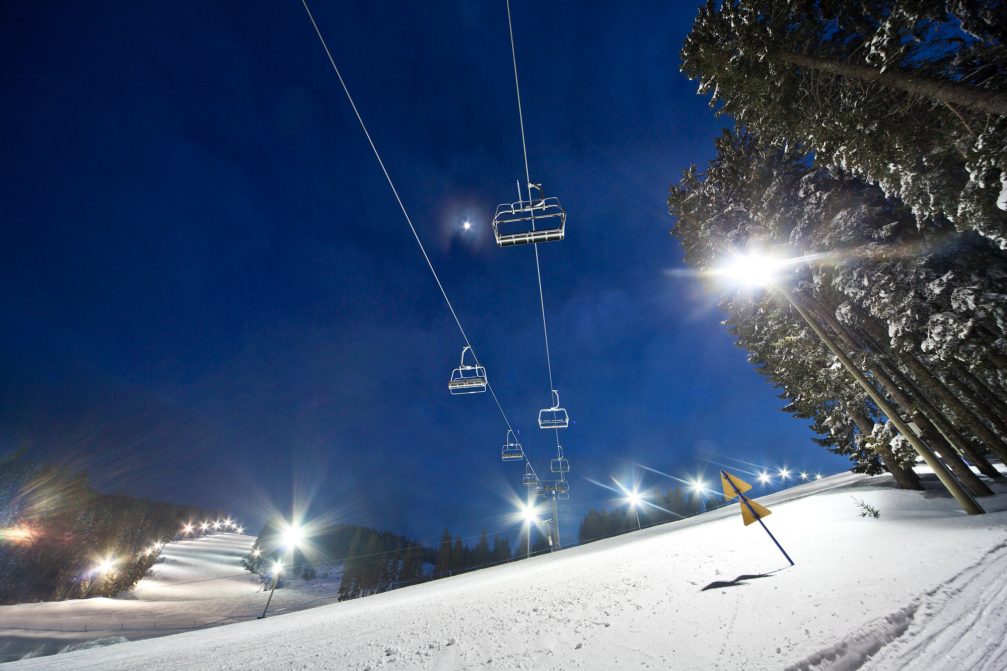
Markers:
<point>920,587</point>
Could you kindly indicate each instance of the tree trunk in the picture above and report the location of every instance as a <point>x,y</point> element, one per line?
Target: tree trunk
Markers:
<point>931,383</point>
<point>947,453</point>
<point>938,90</point>
<point>981,387</point>
<point>937,422</point>
<point>905,478</point>
<point>982,408</point>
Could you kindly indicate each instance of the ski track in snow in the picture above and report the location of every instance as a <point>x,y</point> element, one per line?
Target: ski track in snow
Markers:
<point>920,588</point>
<point>958,625</point>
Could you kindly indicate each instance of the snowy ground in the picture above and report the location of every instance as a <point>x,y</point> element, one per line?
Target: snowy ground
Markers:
<point>920,588</point>
<point>195,583</point>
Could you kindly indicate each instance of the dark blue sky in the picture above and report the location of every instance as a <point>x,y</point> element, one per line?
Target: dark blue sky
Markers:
<point>209,294</point>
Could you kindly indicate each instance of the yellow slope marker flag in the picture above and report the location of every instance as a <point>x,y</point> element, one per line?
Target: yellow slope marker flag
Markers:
<point>751,511</point>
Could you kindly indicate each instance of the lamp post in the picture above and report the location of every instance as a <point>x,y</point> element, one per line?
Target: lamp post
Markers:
<point>634,500</point>
<point>530,516</point>
<point>292,537</point>
<point>277,570</point>
<point>760,272</point>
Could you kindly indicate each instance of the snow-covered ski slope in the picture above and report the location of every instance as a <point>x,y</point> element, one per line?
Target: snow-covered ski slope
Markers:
<point>195,583</point>
<point>920,588</point>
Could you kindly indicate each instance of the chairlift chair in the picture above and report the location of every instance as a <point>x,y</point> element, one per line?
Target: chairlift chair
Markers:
<point>529,479</point>
<point>538,219</point>
<point>560,464</point>
<point>512,450</point>
<point>468,378</point>
<point>563,490</point>
<point>554,417</point>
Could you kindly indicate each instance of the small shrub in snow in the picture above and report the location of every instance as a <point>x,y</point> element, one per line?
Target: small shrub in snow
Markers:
<point>866,509</point>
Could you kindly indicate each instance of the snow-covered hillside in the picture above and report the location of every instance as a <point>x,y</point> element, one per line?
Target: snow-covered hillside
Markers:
<point>195,583</point>
<point>921,587</point>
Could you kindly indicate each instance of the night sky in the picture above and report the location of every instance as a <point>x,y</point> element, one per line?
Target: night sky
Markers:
<point>209,294</point>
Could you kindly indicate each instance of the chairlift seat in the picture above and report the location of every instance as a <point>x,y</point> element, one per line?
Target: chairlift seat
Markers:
<point>554,417</point>
<point>529,221</point>
<point>509,453</point>
<point>468,378</point>
<point>560,465</point>
<point>512,450</point>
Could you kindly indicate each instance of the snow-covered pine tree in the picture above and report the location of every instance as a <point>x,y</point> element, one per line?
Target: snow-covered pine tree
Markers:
<point>909,96</point>
<point>754,196</point>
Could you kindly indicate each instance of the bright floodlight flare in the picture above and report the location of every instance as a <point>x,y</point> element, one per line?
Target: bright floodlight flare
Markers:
<point>104,566</point>
<point>240,530</point>
<point>818,476</point>
<point>634,500</point>
<point>187,529</point>
<point>256,552</point>
<point>753,268</point>
<point>765,478</point>
<point>804,475</point>
<point>292,536</point>
<point>697,485</point>
<point>784,473</point>
<point>277,568</point>
<point>467,225</point>
<point>528,513</point>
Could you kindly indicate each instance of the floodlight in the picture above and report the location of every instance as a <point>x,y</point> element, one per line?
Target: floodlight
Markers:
<point>292,537</point>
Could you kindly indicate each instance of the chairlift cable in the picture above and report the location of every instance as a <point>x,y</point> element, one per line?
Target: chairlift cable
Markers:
<point>527,173</point>
<point>402,206</point>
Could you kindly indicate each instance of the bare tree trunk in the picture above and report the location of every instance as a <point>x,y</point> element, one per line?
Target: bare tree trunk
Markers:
<point>938,90</point>
<point>931,383</point>
<point>933,420</point>
<point>905,478</point>
<point>982,408</point>
<point>983,386</point>
<point>947,453</point>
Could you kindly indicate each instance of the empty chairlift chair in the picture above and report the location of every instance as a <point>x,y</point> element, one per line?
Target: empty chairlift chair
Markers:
<point>554,417</point>
<point>529,479</point>
<point>560,464</point>
<point>468,378</point>
<point>538,219</point>
<point>562,490</point>
<point>512,450</point>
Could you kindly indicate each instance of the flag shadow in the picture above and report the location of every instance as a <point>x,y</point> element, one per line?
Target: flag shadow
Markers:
<point>740,580</point>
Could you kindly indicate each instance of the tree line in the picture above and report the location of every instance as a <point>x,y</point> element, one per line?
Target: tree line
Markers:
<point>55,529</point>
<point>674,504</point>
<point>373,560</point>
<point>871,144</point>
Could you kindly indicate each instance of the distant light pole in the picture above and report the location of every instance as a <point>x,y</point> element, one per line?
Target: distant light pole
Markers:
<point>757,270</point>
<point>634,500</point>
<point>530,516</point>
<point>292,537</point>
<point>277,570</point>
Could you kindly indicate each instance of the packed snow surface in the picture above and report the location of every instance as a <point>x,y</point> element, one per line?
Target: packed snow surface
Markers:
<point>194,583</point>
<point>922,588</point>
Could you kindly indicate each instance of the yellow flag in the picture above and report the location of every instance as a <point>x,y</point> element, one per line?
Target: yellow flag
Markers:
<point>747,515</point>
<point>732,487</point>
